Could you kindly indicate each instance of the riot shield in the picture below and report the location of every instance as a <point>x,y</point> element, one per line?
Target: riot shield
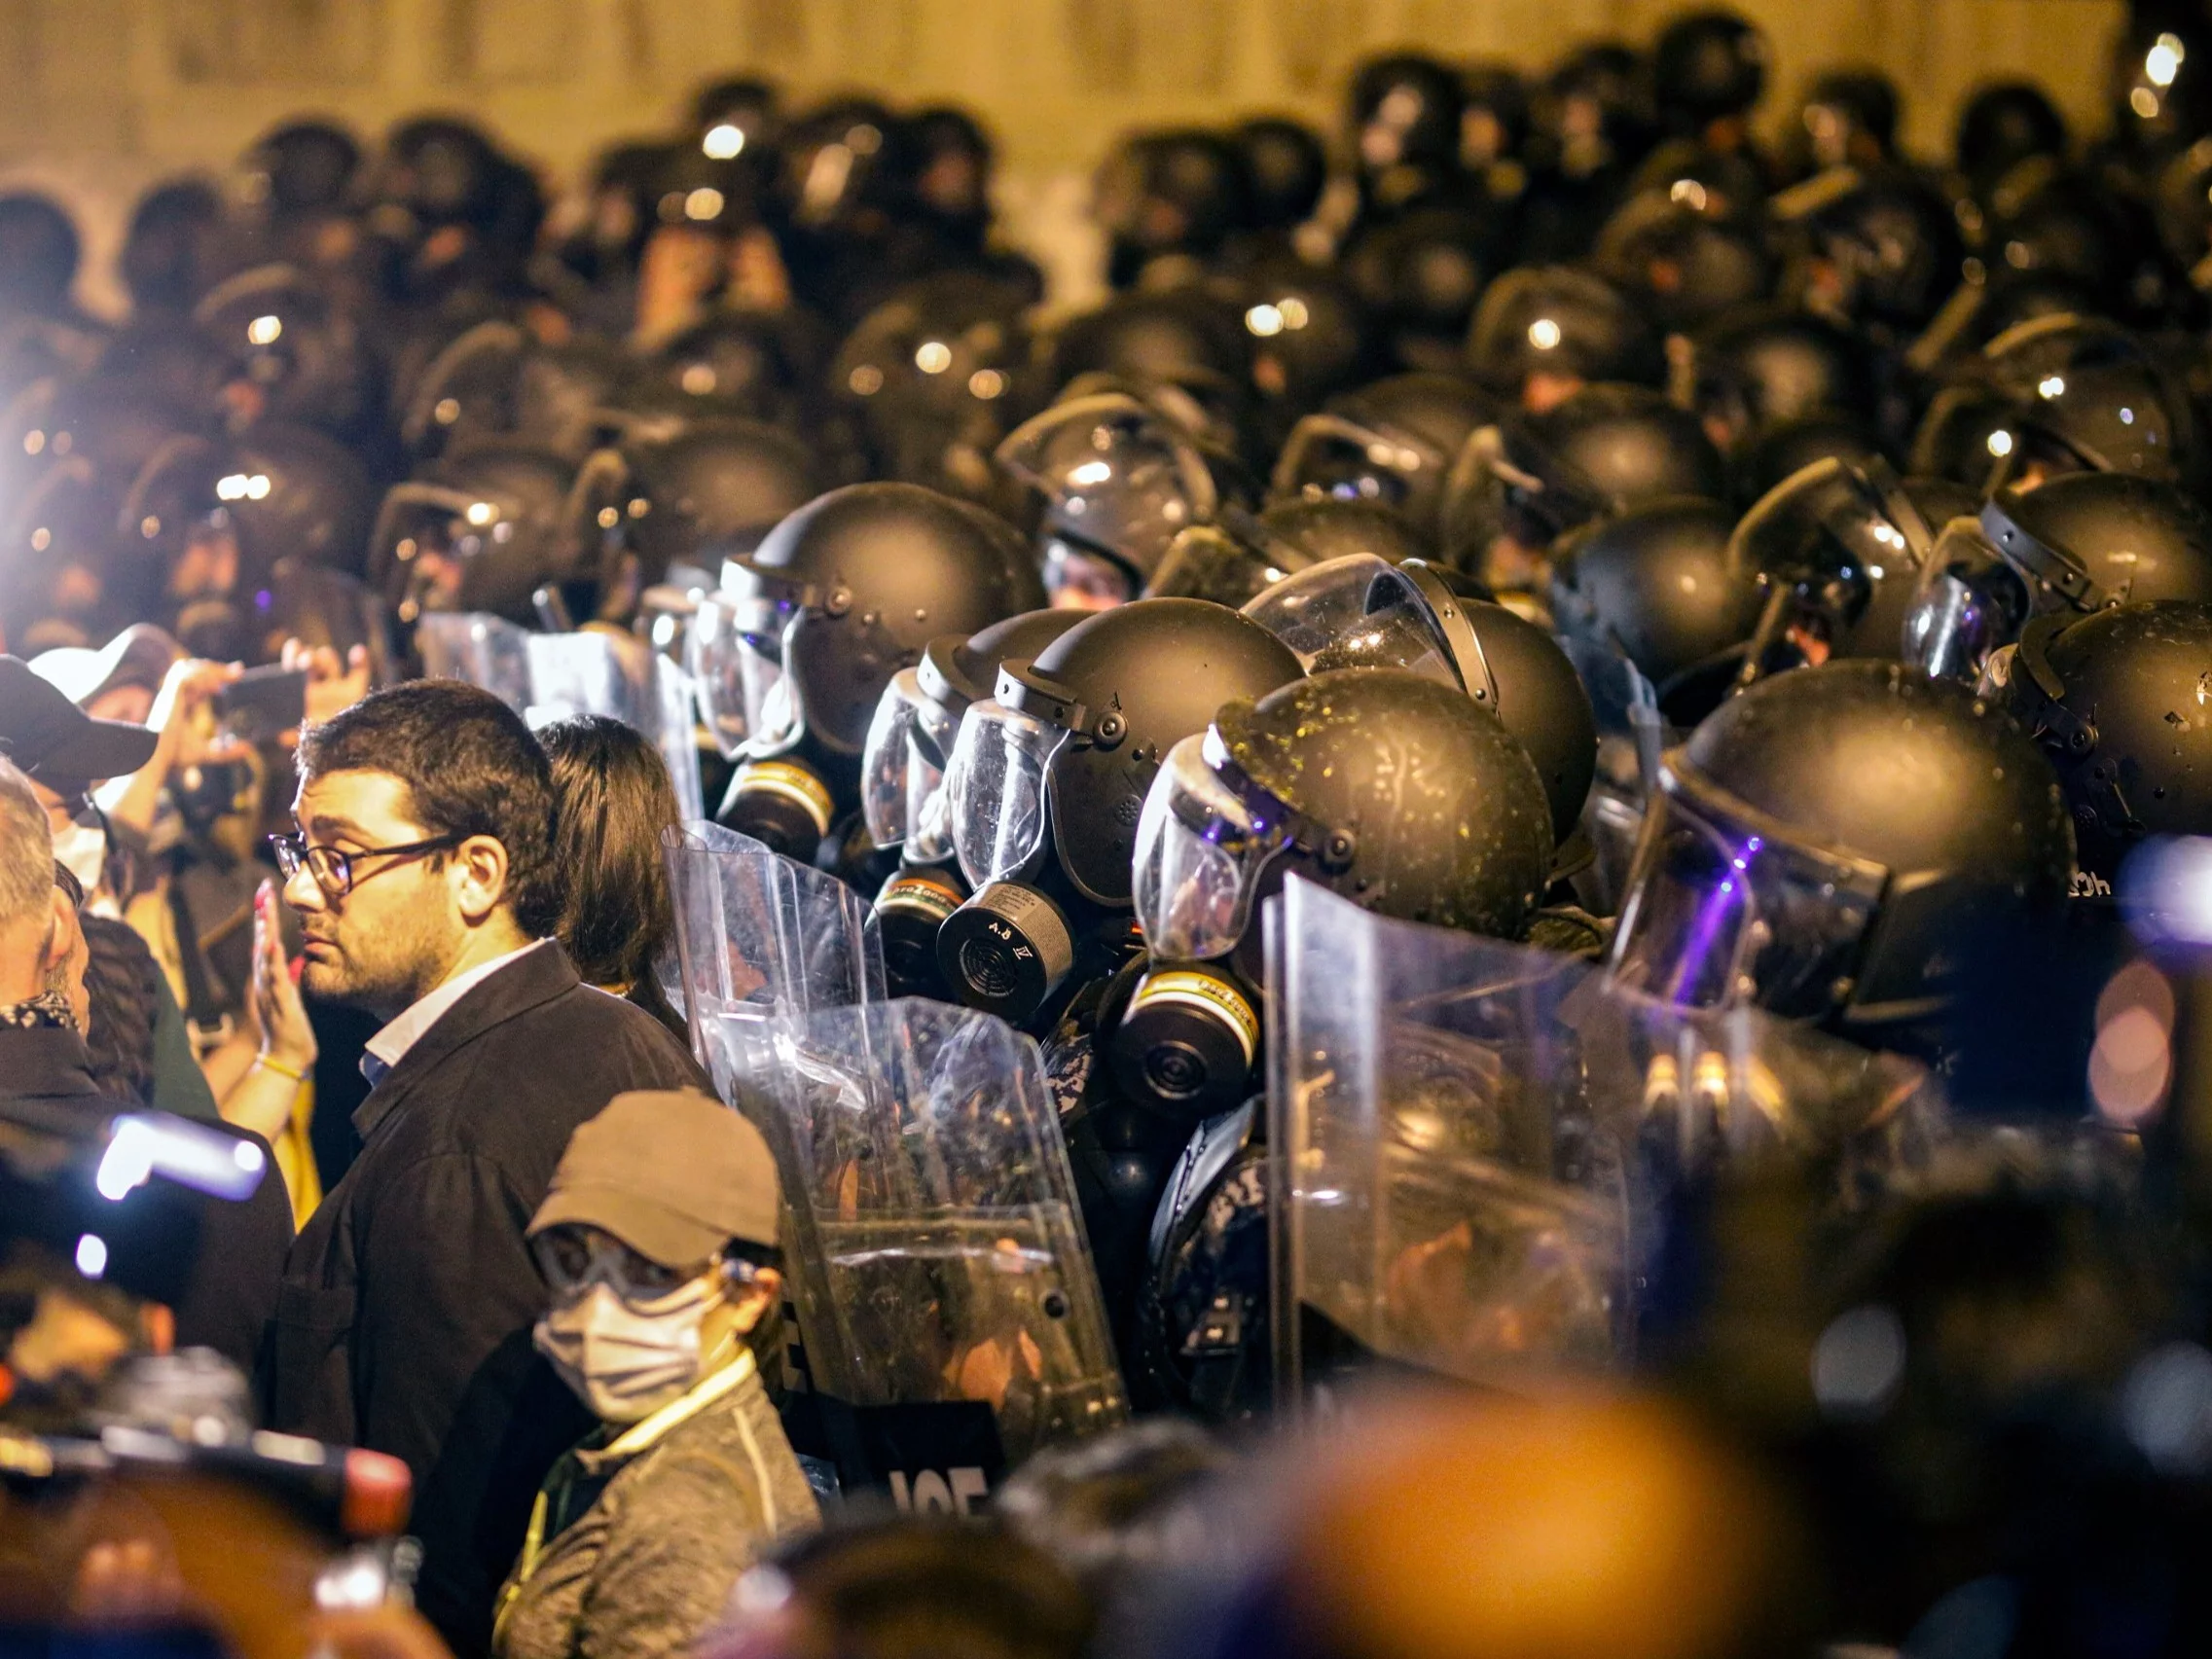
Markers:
<point>952,1317</point>
<point>1444,1198</point>
<point>763,942</point>
<point>593,672</point>
<point>486,651</point>
<point>1632,735</point>
<point>1477,1148</point>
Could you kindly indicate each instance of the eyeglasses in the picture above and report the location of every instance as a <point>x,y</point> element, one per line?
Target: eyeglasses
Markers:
<point>333,869</point>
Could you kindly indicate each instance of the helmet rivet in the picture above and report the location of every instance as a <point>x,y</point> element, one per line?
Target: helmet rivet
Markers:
<point>1110,728</point>
<point>840,601</point>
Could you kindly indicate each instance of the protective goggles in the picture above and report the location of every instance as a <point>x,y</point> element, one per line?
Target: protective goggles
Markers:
<point>902,771</point>
<point>1336,457</point>
<point>573,1259</point>
<point>1822,539</point>
<point>1204,841</point>
<point>1118,476</point>
<point>1722,910</point>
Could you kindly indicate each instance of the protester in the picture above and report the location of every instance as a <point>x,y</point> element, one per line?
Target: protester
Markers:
<point>614,797</point>
<point>225,1258</point>
<point>659,1238</point>
<point>423,875</point>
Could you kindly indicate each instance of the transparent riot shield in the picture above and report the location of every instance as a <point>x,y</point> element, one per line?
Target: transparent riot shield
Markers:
<point>763,942</point>
<point>486,651</point>
<point>593,672</point>
<point>1632,735</point>
<point>1443,1198</point>
<point>952,1317</point>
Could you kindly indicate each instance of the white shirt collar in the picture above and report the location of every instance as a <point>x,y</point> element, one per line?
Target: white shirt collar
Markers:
<point>389,1046</point>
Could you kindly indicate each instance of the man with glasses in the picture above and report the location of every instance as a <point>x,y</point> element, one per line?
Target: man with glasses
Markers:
<point>421,870</point>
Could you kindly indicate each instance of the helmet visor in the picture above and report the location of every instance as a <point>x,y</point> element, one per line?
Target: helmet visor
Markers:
<point>1207,562</point>
<point>1329,457</point>
<point>1822,539</point>
<point>1356,612</point>
<point>902,771</point>
<point>1720,914</point>
<point>995,784</point>
<point>1199,849</point>
<point>1969,602</point>
<point>743,694</point>
<point>1116,474</point>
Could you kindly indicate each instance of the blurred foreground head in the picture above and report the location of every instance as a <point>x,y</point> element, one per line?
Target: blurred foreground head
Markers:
<point>1457,1527</point>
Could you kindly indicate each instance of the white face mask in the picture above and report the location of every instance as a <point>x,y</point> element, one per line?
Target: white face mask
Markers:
<point>628,1360</point>
<point>82,850</point>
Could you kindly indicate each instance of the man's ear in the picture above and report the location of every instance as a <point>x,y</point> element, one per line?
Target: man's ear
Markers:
<point>67,955</point>
<point>481,877</point>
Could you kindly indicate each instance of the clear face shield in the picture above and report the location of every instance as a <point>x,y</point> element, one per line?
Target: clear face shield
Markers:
<point>1970,602</point>
<point>1507,503</point>
<point>735,652</point>
<point>994,788</point>
<point>1119,480</point>
<point>1201,847</point>
<point>1331,457</point>
<point>1356,612</point>
<point>902,772</point>
<point>1720,912</point>
<point>1822,539</point>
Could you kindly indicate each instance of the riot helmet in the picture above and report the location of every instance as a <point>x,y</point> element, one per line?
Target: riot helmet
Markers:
<point>1493,116</point>
<point>1181,193</point>
<point>2078,543</point>
<point>687,500</point>
<point>1241,558</point>
<point>1313,333</point>
<point>953,161</point>
<point>280,493</point>
<point>1795,444</point>
<point>1285,167</point>
<point>1543,331</point>
<point>1819,844</point>
<point>1683,261</point>
<point>1706,67</point>
<point>1382,785</point>
<point>286,351</point>
<point>2002,126</point>
<point>39,251</point>
<point>1120,480</point>
<point>300,168</point>
<point>171,249</point>
<point>1403,122</point>
<point>1359,611</point>
<point>937,373</point>
<point>2114,700</point>
<point>1848,118</point>
<point>2089,394</point>
<point>481,528</point>
<point>467,391</point>
<point>1757,367</point>
<point>1871,246</point>
<point>1391,442</point>
<point>1518,487</point>
<point>750,107</point>
<point>64,579</point>
<point>1048,775</point>
<point>1421,273</point>
<point>1177,335</point>
<point>1659,584</point>
<point>1836,547</point>
<point>846,591</point>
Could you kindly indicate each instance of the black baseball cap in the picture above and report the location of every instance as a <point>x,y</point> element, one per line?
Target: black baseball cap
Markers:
<point>52,740</point>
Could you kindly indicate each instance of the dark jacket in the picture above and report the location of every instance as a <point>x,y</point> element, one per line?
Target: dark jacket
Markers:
<point>215,1263</point>
<point>403,1320</point>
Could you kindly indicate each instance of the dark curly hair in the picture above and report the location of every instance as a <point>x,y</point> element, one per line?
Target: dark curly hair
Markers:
<point>471,767</point>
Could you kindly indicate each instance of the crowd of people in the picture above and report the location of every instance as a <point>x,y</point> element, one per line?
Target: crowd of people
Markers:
<point>1473,927</point>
